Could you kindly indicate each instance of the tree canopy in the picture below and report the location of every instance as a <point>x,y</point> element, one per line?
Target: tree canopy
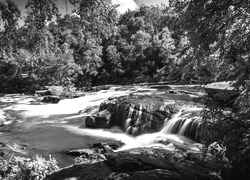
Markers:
<point>219,35</point>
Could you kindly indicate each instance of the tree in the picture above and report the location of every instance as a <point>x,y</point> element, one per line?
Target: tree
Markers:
<point>96,16</point>
<point>42,54</point>
<point>97,21</point>
<point>9,16</point>
<point>219,32</point>
<point>88,56</point>
<point>41,12</point>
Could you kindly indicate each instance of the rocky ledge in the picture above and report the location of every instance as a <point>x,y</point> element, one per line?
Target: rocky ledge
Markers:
<point>174,161</point>
<point>137,114</point>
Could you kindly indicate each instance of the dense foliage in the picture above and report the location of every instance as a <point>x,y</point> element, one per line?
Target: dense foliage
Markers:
<point>219,36</point>
<point>92,46</point>
<point>19,168</point>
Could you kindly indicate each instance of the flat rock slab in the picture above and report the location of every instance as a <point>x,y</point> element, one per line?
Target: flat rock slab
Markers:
<point>98,170</point>
<point>145,163</point>
<point>190,164</point>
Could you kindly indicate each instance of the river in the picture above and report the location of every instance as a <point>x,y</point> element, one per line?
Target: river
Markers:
<point>52,128</point>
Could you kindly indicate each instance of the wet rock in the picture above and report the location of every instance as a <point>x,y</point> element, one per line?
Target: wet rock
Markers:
<point>177,163</point>
<point>50,91</point>
<point>58,91</point>
<point>99,120</point>
<point>114,145</point>
<point>43,93</point>
<point>80,152</point>
<point>96,148</point>
<point>138,114</point>
<point>144,163</point>
<point>90,110</point>
<point>98,88</point>
<point>97,170</point>
<point>51,99</point>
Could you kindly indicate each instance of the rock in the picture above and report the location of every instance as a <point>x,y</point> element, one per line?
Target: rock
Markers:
<point>222,93</point>
<point>186,165</point>
<point>56,90</point>
<point>114,145</point>
<point>99,120</point>
<point>7,147</point>
<point>138,114</point>
<point>50,91</point>
<point>109,105</point>
<point>51,99</point>
<point>98,170</point>
<point>95,148</point>
<point>156,174</point>
<point>90,110</point>
<point>80,152</point>
<point>143,163</point>
<point>43,93</point>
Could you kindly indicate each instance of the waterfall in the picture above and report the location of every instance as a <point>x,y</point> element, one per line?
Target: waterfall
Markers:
<point>186,122</point>
<point>133,118</point>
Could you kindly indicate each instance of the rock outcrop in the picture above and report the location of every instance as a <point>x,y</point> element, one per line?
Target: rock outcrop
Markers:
<point>99,120</point>
<point>177,162</point>
<point>138,114</point>
<point>223,93</point>
<point>53,94</point>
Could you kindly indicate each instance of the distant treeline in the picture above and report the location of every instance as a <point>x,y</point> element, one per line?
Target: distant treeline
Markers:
<point>94,46</point>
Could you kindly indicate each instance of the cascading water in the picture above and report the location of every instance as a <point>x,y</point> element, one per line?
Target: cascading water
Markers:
<point>133,117</point>
<point>186,122</point>
<point>183,128</point>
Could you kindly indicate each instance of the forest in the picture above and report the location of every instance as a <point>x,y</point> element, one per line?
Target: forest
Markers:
<point>185,42</point>
<point>95,45</point>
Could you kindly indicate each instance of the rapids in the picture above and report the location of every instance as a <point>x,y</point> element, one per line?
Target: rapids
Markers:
<point>51,128</point>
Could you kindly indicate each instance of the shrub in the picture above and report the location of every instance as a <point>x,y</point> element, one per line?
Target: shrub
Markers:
<point>21,168</point>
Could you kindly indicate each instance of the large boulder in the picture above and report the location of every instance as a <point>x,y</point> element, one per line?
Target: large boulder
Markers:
<point>138,114</point>
<point>66,92</point>
<point>222,92</point>
<point>99,120</point>
<point>56,90</point>
<point>178,162</point>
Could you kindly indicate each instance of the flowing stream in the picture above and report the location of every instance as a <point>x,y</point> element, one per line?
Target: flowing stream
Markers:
<point>51,128</point>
